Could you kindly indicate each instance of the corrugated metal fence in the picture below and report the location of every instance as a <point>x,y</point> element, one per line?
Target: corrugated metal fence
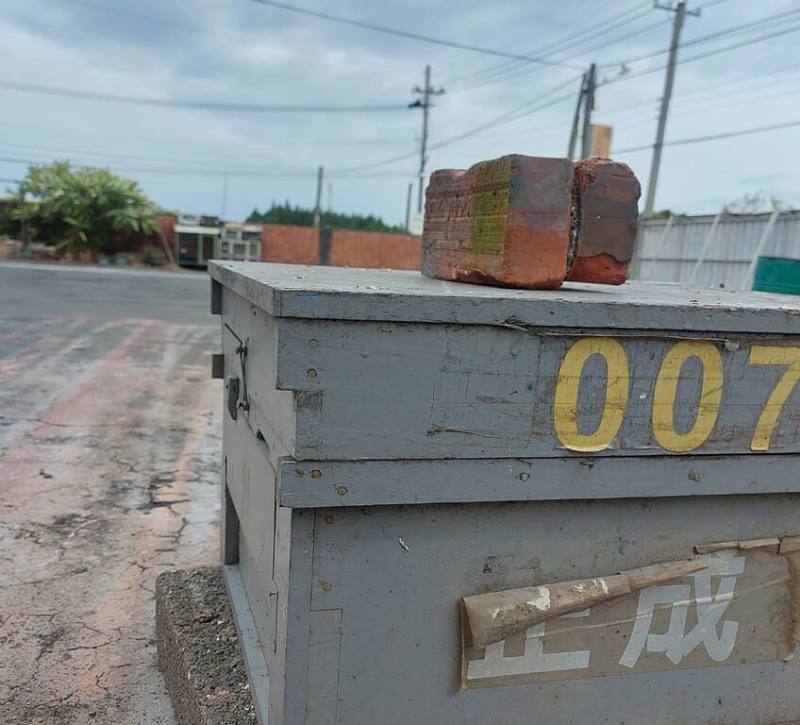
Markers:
<point>669,250</point>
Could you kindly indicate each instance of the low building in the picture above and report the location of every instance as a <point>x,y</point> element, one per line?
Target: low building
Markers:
<point>196,239</point>
<point>240,241</point>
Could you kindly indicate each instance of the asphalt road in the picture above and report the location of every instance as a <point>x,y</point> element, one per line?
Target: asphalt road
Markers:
<point>36,291</point>
<point>109,450</point>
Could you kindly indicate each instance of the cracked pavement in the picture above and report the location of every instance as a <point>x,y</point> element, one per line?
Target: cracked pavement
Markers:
<point>109,459</point>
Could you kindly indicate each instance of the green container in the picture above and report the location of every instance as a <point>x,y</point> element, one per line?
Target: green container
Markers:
<point>777,274</point>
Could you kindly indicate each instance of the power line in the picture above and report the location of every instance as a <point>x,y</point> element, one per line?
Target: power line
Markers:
<point>102,154</point>
<point>162,21</point>
<point>711,3</point>
<point>623,110</point>
<point>520,71</point>
<point>408,34</point>
<point>711,137</point>
<point>723,101</point>
<point>501,121</point>
<point>194,171</point>
<point>717,51</point>
<point>743,27</point>
<point>509,71</point>
<point>497,72</point>
<point>195,105</point>
<point>280,143</point>
<point>527,109</point>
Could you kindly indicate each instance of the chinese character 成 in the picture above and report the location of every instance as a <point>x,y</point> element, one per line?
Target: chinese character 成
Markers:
<point>676,643</point>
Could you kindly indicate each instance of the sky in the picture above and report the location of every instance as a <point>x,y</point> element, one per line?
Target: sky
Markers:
<point>227,162</point>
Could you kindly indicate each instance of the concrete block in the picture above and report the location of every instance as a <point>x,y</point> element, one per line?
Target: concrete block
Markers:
<point>531,222</point>
<point>198,649</point>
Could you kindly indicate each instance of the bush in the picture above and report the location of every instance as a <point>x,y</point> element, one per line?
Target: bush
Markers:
<point>80,210</point>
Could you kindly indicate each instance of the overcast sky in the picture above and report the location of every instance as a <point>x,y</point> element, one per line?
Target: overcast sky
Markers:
<point>238,51</point>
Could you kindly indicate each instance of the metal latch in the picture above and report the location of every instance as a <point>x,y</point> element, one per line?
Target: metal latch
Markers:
<point>232,385</point>
<point>237,402</point>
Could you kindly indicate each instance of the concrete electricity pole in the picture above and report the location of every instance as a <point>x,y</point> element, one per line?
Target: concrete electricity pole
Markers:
<point>317,206</point>
<point>408,206</point>
<point>224,205</point>
<point>573,134</point>
<point>588,107</point>
<point>677,25</point>
<point>425,103</point>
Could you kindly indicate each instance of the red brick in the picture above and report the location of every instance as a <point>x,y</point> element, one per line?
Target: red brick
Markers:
<point>522,221</point>
<point>504,222</point>
<point>606,221</point>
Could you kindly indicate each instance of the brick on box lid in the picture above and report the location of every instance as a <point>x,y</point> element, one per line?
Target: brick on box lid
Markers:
<point>529,222</point>
<point>606,195</point>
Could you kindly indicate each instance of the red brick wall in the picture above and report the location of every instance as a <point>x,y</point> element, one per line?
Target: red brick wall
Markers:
<point>300,245</point>
<point>369,249</point>
<point>286,243</point>
<point>167,223</point>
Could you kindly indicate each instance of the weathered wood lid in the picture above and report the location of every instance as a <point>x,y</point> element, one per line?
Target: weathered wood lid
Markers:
<point>288,290</point>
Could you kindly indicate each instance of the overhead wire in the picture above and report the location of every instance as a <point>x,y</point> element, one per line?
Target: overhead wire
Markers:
<point>687,104</point>
<point>712,137</point>
<point>622,110</point>
<point>596,29</point>
<point>161,21</point>
<point>767,95</point>
<point>511,75</point>
<point>711,3</point>
<point>408,34</point>
<point>184,170</point>
<point>527,109</point>
<point>197,104</point>
<point>708,54</point>
<point>512,72</point>
<point>742,27</point>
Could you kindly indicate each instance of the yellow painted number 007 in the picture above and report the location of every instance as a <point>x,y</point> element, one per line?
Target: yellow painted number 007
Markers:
<point>565,404</point>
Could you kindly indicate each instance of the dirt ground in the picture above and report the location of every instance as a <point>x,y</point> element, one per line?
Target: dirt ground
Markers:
<point>109,450</point>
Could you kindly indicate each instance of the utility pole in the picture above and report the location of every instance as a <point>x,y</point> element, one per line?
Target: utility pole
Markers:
<point>317,206</point>
<point>573,134</point>
<point>224,205</point>
<point>588,107</point>
<point>408,206</point>
<point>677,25</point>
<point>425,103</point>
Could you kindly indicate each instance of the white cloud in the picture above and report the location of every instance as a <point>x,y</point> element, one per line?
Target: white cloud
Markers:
<point>240,51</point>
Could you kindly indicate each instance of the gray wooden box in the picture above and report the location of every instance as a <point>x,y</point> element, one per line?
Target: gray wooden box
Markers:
<point>394,443</point>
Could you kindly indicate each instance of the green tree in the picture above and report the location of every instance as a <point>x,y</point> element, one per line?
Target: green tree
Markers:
<point>81,209</point>
<point>287,214</point>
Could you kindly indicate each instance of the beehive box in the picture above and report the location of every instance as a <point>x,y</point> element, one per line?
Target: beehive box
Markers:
<point>397,448</point>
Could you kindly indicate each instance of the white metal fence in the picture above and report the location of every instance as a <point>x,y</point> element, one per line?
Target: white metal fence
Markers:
<point>714,251</point>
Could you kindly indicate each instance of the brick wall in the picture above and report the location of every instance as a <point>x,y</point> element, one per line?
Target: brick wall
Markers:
<point>167,223</point>
<point>368,249</point>
<point>300,245</point>
<point>286,243</point>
